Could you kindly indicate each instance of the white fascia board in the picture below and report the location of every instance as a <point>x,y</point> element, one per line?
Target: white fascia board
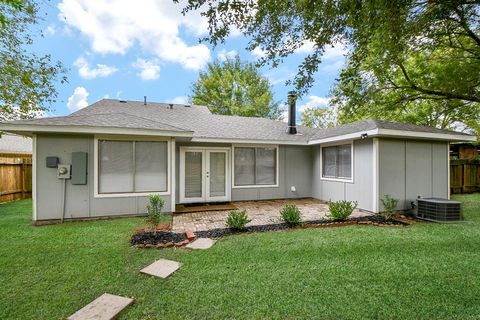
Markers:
<point>396,134</point>
<point>25,128</point>
<point>350,136</point>
<point>250,141</point>
<point>425,135</point>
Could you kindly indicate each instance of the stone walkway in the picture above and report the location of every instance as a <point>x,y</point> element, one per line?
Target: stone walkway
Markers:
<point>260,212</point>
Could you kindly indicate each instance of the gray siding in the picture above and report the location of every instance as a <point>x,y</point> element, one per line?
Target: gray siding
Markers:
<point>360,190</point>
<point>294,170</point>
<point>409,169</point>
<point>80,201</point>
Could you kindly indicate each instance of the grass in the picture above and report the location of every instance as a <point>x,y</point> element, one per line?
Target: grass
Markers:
<point>426,271</point>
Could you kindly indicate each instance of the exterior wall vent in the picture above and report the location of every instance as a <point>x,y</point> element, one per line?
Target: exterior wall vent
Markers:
<point>440,210</point>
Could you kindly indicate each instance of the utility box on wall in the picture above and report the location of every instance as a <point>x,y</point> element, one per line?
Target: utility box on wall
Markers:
<point>79,168</point>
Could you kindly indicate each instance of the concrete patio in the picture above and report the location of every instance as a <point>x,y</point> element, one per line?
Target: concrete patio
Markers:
<point>260,212</point>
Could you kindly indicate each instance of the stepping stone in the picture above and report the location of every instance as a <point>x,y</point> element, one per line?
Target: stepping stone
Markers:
<point>105,307</point>
<point>161,268</point>
<point>201,243</point>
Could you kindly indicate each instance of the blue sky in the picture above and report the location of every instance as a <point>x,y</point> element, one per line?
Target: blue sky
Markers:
<point>129,49</point>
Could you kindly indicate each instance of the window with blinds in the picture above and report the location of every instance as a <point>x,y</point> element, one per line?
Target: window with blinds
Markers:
<point>255,166</point>
<point>132,166</point>
<point>337,162</point>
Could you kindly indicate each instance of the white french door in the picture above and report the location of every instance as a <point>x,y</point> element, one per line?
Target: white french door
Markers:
<point>204,174</point>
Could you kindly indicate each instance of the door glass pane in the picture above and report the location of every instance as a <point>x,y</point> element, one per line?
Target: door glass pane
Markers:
<point>244,166</point>
<point>115,166</point>
<point>150,166</point>
<point>266,166</point>
<point>217,174</point>
<point>193,174</point>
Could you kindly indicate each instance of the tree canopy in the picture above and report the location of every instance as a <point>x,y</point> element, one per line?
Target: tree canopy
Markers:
<point>232,87</point>
<point>27,80</point>
<point>408,60</point>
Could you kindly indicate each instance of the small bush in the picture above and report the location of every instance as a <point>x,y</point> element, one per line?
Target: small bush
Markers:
<point>389,204</point>
<point>291,214</point>
<point>341,210</point>
<point>154,211</point>
<point>237,220</point>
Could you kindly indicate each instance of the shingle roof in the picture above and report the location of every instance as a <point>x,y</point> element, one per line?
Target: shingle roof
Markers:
<point>203,123</point>
<point>111,120</point>
<point>108,113</point>
<point>11,143</point>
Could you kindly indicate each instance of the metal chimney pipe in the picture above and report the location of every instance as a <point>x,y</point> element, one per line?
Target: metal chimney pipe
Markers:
<point>292,112</point>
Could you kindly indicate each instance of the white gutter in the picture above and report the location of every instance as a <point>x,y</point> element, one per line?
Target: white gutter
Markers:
<point>26,128</point>
<point>250,141</point>
<point>395,134</point>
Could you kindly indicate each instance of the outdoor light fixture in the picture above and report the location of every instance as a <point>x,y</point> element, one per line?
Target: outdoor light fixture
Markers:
<point>364,136</point>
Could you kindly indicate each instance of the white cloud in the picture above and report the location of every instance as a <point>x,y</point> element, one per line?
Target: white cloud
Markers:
<point>180,100</point>
<point>78,99</point>
<point>335,52</point>
<point>279,75</point>
<point>115,26</point>
<point>51,30</point>
<point>86,72</point>
<point>223,55</point>
<point>147,69</point>
<point>307,47</point>
<point>314,102</point>
<point>258,52</point>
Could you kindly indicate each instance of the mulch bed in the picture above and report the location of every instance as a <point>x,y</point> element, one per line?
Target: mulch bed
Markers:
<point>373,220</point>
<point>150,239</point>
<point>161,239</point>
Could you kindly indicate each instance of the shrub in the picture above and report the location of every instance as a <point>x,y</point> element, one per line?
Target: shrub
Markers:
<point>154,211</point>
<point>389,204</point>
<point>341,210</point>
<point>237,220</point>
<point>291,214</point>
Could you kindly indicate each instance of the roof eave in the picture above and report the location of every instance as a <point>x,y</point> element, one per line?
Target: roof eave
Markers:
<point>390,133</point>
<point>27,129</point>
<point>249,141</point>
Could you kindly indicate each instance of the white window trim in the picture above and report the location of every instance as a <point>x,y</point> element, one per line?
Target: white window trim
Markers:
<point>333,144</point>
<point>276,185</point>
<point>96,194</point>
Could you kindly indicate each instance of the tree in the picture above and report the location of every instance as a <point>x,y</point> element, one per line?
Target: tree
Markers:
<point>317,117</point>
<point>410,53</point>
<point>27,80</point>
<point>235,88</point>
<point>366,90</point>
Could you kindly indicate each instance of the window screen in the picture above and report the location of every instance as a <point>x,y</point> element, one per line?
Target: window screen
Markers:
<point>132,166</point>
<point>337,162</point>
<point>150,166</point>
<point>116,166</point>
<point>255,166</point>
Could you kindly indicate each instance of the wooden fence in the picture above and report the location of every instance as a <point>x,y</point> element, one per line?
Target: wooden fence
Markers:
<point>465,176</point>
<point>15,178</point>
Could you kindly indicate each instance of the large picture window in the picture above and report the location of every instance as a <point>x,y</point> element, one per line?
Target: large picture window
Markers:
<point>132,166</point>
<point>337,162</point>
<point>255,166</point>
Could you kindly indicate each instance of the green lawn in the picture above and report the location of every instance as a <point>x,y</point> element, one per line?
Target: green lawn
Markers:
<point>426,271</point>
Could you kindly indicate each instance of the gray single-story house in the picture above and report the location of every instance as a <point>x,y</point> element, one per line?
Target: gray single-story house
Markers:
<point>119,152</point>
